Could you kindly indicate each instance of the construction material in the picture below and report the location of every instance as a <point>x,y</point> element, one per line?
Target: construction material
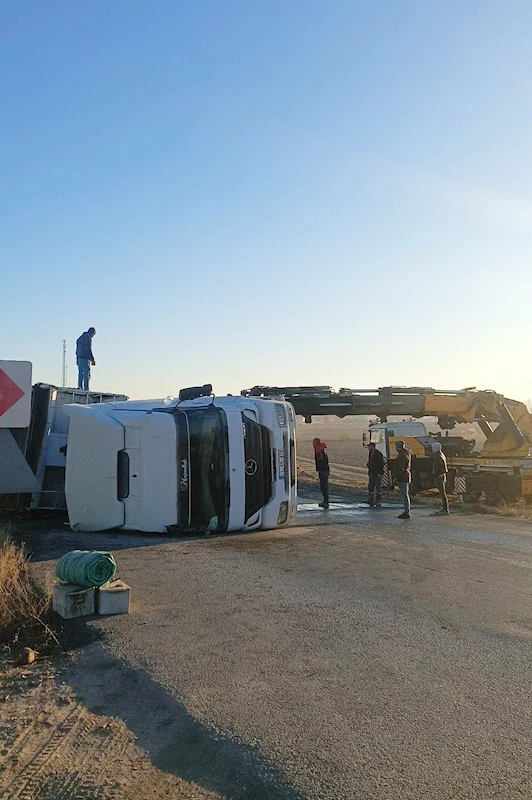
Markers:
<point>86,568</point>
<point>113,598</point>
<point>71,601</point>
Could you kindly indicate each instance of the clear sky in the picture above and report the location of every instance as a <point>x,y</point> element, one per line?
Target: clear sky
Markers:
<point>267,191</point>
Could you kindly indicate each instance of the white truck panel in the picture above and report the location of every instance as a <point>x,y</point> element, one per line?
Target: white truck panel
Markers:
<point>94,441</point>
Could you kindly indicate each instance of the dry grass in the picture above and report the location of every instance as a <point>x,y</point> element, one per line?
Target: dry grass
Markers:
<point>25,606</point>
<point>518,509</point>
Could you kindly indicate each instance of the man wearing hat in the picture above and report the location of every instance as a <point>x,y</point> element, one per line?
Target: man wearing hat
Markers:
<point>439,470</point>
<point>375,473</point>
<point>322,468</point>
<point>402,475</point>
<point>84,358</point>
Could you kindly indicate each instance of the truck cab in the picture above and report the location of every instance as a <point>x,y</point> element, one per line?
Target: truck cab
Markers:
<point>386,434</point>
<point>202,464</point>
<point>417,441</point>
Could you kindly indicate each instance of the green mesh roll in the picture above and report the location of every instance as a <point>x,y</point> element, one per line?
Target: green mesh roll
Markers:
<point>86,568</point>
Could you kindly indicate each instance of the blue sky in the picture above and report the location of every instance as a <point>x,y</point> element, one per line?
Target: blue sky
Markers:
<point>253,191</point>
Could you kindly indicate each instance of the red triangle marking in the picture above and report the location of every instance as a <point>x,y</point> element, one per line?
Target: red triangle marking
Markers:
<point>10,393</point>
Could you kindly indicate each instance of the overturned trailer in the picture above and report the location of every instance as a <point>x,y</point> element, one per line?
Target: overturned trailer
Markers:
<point>42,447</point>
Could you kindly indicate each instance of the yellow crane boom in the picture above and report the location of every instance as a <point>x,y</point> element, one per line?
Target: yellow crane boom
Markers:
<point>507,424</point>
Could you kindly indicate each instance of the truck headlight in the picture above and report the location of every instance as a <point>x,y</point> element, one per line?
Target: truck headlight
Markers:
<point>281,415</point>
<point>283,513</point>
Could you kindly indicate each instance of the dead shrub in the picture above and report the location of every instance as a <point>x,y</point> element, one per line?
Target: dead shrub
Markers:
<point>25,605</point>
<point>518,509</point>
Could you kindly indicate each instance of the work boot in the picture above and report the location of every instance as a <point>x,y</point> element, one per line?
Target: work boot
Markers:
<point>370,503</point>
<point>323,504</point>
<point>378,504</point>
<point>404,515</point>
<point>442,513</point>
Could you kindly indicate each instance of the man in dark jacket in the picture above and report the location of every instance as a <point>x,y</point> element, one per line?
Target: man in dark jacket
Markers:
<point>322,468</point>
<point>84,358</point>
<point>375,473</point>
<point>402,475</point>
<point>439,471</point>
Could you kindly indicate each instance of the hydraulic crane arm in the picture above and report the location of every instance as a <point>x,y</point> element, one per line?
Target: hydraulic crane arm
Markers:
<point>512,435</point>
<point>309,401</point>
<point>507,424</point>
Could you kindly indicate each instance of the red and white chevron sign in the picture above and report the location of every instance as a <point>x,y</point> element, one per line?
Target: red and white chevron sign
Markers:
<point>459,485</point>
<point>15,394</point>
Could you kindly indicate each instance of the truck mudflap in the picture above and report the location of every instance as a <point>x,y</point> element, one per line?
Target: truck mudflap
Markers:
<point>92,484</point>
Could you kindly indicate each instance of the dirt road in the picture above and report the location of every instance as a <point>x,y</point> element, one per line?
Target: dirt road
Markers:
<point>351,656</point>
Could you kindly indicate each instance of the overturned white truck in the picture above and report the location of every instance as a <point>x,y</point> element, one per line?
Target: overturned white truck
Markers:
<point>197,463</point>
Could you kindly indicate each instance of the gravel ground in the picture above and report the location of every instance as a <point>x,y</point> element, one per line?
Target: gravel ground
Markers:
<point>53,748</point>
<point>351,656</point>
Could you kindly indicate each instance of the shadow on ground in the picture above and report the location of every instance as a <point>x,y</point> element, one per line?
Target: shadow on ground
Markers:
<point>175,741</point>
<point>49,537</point>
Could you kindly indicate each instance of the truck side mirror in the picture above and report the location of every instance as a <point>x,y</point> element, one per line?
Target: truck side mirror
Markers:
<point>195,391</point>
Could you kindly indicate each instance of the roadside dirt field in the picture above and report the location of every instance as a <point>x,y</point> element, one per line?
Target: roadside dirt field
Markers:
<point>54,745</point>
<point>53,748</point>
<point>343,439</point>
<point>348,656</point>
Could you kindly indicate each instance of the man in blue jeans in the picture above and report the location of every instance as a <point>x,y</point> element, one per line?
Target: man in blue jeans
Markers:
<point>402,475</point>
<point>84,358</point>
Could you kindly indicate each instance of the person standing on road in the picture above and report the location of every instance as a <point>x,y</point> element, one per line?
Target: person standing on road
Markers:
<point>402,475</point>
<point>375,473</point>
<point>84,358</point>
<point>439,471</point>
<point>322,468</point>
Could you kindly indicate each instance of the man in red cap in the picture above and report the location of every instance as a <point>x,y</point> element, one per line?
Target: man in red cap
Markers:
<point>322,468</point>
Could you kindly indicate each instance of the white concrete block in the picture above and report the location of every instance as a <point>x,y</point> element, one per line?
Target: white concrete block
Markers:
<point>113,598</point>
<point>70,601</point>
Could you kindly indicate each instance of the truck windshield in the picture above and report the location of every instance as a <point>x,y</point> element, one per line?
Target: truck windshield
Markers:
<point>203,480</point>
<point>258,465</point>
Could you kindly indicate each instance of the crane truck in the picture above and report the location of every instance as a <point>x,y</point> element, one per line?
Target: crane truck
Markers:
<point>499,469</point>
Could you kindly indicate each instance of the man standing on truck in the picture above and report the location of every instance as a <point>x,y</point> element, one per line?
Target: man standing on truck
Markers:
<point>84,358</point>
<point>439,471</point>
<point>375,473</point>
<point>402,475</point>
<point>322,468</point>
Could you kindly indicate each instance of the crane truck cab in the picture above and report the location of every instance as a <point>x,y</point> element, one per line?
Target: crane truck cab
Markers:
<point>202,463</point>
<point>386,434</point>
<point>418,441</point>
<point>414,434</point>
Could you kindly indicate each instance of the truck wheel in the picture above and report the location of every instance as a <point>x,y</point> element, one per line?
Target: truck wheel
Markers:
<point>469,497</point>
<point>494,499</point>
<point>415,486</point>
